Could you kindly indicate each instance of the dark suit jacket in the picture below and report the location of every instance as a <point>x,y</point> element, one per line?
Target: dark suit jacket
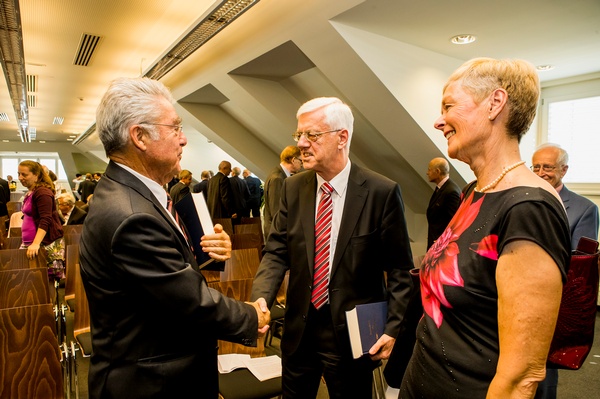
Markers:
<point>220,197</point>
<point>86,188</point>
<point>201,187</point>
<point>272,193</point>
<point>373,238</point>
<point>582,214</point>
<point>241,196</point>
<point>4,196</point>
<point>256,192</point>
<point>155,323</point>
<point>178,191</point>
<point>77,216</point>
<point>441,209</point>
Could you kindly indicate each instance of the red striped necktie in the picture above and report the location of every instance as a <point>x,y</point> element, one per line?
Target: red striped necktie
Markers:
<point>320,290</point>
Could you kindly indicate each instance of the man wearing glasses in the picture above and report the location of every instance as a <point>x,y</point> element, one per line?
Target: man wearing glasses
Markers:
<point>551,162</point>
<point>339,228</point>
<point>155,323</point>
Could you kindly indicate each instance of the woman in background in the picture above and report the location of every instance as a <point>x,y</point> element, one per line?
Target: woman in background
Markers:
<point>491,284</point>
<point>41,223</point>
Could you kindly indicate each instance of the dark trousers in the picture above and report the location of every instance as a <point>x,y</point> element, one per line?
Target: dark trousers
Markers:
<point>318,355</point>
<point>547,388</point>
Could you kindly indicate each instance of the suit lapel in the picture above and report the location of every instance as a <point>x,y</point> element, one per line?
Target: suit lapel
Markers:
<point>565,195</point>
<point>356,196</point>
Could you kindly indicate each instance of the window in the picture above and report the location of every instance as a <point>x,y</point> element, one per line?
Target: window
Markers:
<point>573,125</point>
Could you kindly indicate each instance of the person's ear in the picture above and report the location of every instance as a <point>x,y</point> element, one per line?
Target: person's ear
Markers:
<point>343,138</point>
<point>138,136</point>
<point>498,100</point>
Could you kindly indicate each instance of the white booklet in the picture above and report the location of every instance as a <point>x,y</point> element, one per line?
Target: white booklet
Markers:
<point>263,368</point>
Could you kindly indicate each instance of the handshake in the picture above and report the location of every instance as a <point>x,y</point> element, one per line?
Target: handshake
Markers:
<point>264,315</point>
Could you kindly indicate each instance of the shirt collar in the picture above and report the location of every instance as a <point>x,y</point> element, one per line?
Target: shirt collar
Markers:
<point>339,182</point>
<point>157,190</point>
<point>444,180</point>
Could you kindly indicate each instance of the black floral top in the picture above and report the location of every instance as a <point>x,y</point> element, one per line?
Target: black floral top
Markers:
<point>457,339</point>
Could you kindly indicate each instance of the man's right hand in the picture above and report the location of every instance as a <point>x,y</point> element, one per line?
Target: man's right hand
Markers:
<point>264,315</point>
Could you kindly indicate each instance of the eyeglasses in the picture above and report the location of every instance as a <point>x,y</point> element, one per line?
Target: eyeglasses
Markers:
<point>178,128</point>
<point>545,168</point>
<point>311,136</point>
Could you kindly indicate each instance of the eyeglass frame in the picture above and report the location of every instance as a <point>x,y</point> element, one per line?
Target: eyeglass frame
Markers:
<point>178,128</point>
<point>544,167</point>
<point>311,136</point>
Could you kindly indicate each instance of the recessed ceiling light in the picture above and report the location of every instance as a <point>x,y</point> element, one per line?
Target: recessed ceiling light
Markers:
<point>69,139</point>
<point>463,39</point>
<point>58,120</point>
<point>5,141</point>
<point>544,67</point>
<point>42,141</point>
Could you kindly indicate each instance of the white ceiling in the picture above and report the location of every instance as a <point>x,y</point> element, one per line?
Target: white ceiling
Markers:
<point>564,33</point>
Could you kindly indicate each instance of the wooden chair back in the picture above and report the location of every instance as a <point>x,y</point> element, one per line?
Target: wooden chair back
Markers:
<point>12,242</point>
<point>247,240</point>
<point>29,354</point>
<point>72,229</point>
<point>24,287</point>
<point>71,262</point>
<point>14,232</point>
<point>13,206</point>
<point>243,264</point>
<point>72,238</point>
<point>11,259</point>
<point>81,319</point>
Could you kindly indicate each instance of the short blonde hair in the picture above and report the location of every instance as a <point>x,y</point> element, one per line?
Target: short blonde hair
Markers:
<point>481,76</point>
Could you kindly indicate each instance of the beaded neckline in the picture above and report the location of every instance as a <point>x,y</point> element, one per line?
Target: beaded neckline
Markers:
<point>495,182</point>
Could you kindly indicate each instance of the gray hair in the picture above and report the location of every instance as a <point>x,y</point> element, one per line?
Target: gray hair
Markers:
<point>68,198</point>
<point>337,114</point>
<point>128,101</point>
<point>563,156</point>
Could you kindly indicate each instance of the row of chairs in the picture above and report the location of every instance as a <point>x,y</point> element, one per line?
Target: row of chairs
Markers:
<point>32,363</point>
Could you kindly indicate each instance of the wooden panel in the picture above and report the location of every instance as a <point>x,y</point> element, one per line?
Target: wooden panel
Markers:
<point>24,287</point>
<point>15,232</point>
<point>226,223</point>
<point>12,243</point>
<point>29,354</point>
<point>246,240</point>
<point>13,206</point>
<point>71,261</point>
<point>71,239</point>
<point>73,229</point>
<point>81,319</point>
<point>242,264</point>
<point>17,259</point>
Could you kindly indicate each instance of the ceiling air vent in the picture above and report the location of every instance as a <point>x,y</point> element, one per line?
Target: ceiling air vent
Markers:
<point>32,133</point>
<point>3,117</point>
<point>32,81</point>
<point>31,101</point>
<point>86,48</point>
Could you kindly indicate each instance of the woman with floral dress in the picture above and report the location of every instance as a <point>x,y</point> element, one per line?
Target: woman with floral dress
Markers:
<point>491,284</point>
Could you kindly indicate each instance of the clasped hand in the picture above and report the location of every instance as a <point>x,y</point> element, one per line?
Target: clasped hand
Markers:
<point>264,315</point>
<point>218,245</point>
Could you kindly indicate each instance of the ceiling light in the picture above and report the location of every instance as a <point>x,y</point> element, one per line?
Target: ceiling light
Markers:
<point>463,39</point>
<point>69,139</point>
<point>4,117</point>
<point>42,141</point>
<point>58,120</point>
<point>544,67</point>
<point>5,141</point>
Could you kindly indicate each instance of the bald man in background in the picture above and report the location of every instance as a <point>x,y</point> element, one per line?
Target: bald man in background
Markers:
<point>444,201</point>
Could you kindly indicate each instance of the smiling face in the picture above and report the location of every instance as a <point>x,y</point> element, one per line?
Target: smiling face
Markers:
<point>463,121</point>
<point>549,167</point>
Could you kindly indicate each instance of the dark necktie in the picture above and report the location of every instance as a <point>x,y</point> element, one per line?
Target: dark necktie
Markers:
<point>320,290</point>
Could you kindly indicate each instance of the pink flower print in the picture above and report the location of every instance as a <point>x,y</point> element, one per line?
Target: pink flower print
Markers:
<point>440,266</point>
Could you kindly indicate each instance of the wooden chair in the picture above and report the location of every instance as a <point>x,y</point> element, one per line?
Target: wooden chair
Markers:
<point>12,243</point>
<point>226,223</point>
<point>72,229</point>
<point>72,238</point>
<point>13,206</point>
<point>247,240</point>
<point>24,287</point>
<point>243,264</point>
<point>252,228</point>
<point>241,383</point>
<point>14,232</point>
<point>71,262</point>
<point>30,359</point>
<point>11,259</point>
<point>81,328</point>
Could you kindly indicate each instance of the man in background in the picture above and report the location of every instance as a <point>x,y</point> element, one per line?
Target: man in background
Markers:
<point>76,181</point>
<point>256,193</point>
<point>290,163</point>
<point>71,214</point>
<point>182,188</point>
<point>220,196</point>
<point>87,187</point>
<point>444,201</point>
<point>155,323</point>
<point>202,186</point>
<point>340,231</point>
<point>241,193</point>
<point>551,162</point>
